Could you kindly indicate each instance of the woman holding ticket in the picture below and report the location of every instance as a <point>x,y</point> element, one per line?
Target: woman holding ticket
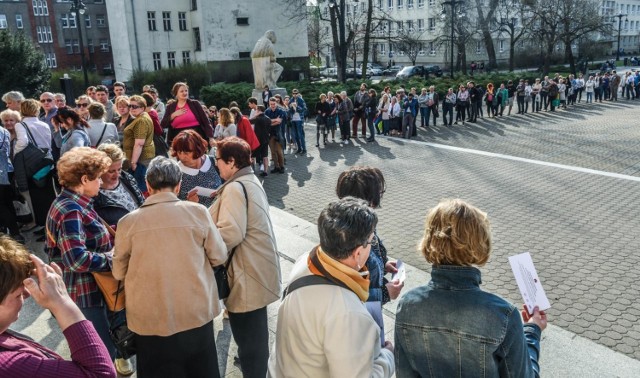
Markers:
<point>200,178</point>
<point>451,326</point>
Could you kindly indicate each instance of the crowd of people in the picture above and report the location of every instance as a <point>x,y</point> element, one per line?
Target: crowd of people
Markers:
<point>120,168</point>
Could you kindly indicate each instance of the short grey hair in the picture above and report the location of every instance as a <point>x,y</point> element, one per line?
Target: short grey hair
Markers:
<point>60,96</point>
<point>163,173</point>
<point>13,96</point>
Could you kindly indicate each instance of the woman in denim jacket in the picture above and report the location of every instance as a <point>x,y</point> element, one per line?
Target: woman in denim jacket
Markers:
<point>368,183</point>
<point>450,327</point>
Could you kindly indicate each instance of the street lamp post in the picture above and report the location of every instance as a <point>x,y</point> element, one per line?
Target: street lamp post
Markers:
<point>619,16</point>
<point>452,4</point>
<point>78,7</point>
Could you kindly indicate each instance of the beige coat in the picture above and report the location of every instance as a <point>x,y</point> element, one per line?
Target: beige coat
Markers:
<point>326,331</point>
<point>165,251</point>
<point>254,274</point>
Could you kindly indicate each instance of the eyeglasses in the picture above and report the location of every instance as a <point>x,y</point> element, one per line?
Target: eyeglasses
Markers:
<point>46,100</point>
<point>133,106</point>
<point>82,105</point>
<point>373,242</point>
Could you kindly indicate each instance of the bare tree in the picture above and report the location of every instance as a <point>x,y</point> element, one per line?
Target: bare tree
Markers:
<point>484,27</point>
<point>514,22</point>
<point>410,43</point>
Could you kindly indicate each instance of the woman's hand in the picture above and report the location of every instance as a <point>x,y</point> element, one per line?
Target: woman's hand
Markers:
<point>193,196</point>
<point>49,292</point>
<point>178,113</point>
<point>538,317</point>
<point>390,267</point>
<point>394,288</point>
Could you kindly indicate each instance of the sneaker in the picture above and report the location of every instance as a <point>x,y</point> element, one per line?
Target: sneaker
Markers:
<point>261,167</point>
<point>346,141</point>
<point>124,367</point>
<point>264,174</point>
<point>274,170</point>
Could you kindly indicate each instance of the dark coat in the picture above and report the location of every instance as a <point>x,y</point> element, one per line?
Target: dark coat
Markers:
<point>196,109</point>
<point>112,211</point>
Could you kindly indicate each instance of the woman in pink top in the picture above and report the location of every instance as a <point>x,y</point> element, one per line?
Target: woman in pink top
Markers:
<point>20,356</point>
<point>185,114</point>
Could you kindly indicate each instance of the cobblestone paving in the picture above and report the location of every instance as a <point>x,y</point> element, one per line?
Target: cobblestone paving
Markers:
<point>599,136</point>
<point>581,228</point>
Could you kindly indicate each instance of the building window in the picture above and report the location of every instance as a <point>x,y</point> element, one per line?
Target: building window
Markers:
<point>432,24</point>
<point>242,21</point>
<point>171,59</point>
<point>410,25</point>
<point>101,21</point>
<point>151,20</point>
<point>420,3</point>
<point>478,47</point>
<point>3,21</point>
<point>182,20</point>
<point>87,21</point>
<point>432,48</point>
<point>157,64</point>
<point>501,45</point>
<point>390,4</point>
<point>40,8</point>
<point>432,2</point>
<point>421,24</point>
<point>90,46</point>
<point>166,21</point>
<point>244,54</point>
<point>49,34</point>
<point>379,6</point>
<point>409,4</point>
<point>19,24</point>
<point>383,48</point>
<point>68,46</point>
<point>186,57</point>
<point>104,45</point>
<point>194,5</point>
<point>51,60</point>
<point>68,21</point>
<point>38,28</point>
<point>76,46</point>
<point>196,34</point>
<point>400,4</point>
<point>399,25</point>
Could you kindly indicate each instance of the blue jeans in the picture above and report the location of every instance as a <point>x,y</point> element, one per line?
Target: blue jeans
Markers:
<point>99,317</point>
<point>139,174</point>
<point>372,127</point>
<point>299,126</point>
<point>424,115</point>
<point>386,126</point>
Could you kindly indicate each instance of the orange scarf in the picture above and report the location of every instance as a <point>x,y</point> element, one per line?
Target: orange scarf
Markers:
<point>337,271</point>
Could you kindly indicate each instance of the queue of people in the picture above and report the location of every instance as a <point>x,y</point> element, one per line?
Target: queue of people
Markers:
<point>330,319</point>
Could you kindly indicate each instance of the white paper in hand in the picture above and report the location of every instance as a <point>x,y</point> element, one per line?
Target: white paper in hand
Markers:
<point>401,274</point>
<point>529,282</point>
<point>204,192</point>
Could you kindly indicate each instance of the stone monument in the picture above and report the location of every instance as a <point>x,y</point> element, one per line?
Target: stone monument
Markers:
<point>266,70</point>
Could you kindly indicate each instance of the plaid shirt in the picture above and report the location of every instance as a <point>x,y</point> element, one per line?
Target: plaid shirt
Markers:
<point>80,243</point>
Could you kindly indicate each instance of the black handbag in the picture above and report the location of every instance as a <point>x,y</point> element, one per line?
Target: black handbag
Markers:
<point>221,272</point>
<point>38,162</point>
<point>123,338</point>
<point>162,148</point>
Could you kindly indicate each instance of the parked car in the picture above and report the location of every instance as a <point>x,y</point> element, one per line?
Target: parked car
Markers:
<point>356,74</point>
<point>410,71</point>
<point>329,72</point>
<point>373,69</point>
<point>391,71</point>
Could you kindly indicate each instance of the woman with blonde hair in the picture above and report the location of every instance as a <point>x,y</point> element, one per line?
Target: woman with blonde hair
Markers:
<point>137,141</point>
<point>226,125</point>
<point>82,107</point>
<point>473,330</point>
<point>124,117</point>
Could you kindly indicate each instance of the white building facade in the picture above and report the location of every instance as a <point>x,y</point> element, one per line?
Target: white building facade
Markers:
<point>150,35</point>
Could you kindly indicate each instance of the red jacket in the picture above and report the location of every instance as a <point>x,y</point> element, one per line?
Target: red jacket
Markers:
<point>245,131</point>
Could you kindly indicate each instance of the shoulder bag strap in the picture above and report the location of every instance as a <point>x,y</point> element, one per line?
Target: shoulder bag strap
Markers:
<point>102,135</point>
<point>316,262</point>
<point>246,199</point>
<point>307,281</point>
<point>30,136</point>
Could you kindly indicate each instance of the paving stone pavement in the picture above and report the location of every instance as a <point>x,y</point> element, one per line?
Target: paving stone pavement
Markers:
<point>580,228</point>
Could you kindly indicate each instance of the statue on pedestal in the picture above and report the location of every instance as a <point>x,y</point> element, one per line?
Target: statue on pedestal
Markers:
<point>263,57</point>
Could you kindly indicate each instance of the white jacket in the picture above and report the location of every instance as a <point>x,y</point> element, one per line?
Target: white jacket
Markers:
<point>325,331</point>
